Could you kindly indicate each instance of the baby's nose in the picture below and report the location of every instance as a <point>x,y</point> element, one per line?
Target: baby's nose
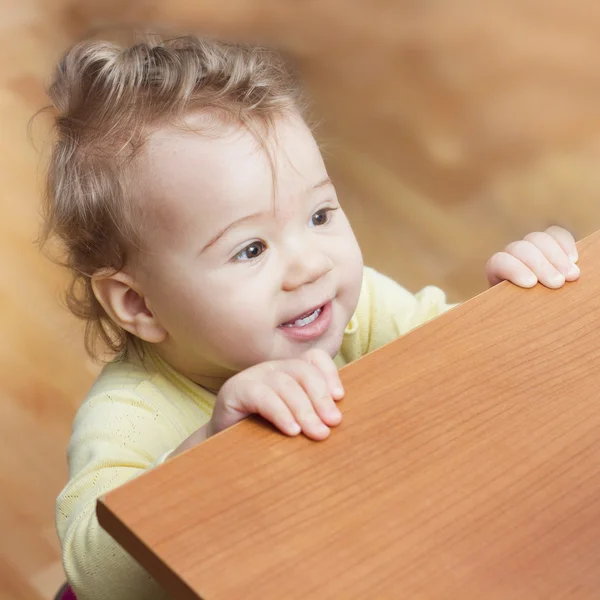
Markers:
<point>306,268</point>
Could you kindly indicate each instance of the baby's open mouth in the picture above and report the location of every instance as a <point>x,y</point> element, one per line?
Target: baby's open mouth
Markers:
<point>308,326</point>
<point>304,319</point>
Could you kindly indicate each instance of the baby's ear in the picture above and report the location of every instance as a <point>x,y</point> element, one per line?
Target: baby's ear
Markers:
<point>125,304</point>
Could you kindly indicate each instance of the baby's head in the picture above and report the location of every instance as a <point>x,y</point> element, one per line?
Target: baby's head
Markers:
<point>195,207</point>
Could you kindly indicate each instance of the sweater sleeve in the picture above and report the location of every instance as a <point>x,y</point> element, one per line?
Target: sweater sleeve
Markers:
<point>386,311</point>
<point>116,437</point>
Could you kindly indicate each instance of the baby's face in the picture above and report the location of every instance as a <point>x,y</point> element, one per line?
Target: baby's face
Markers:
<point>245,263</point>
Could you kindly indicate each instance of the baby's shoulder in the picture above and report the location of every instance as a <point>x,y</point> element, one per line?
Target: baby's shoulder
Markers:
<point>135,412</point>
<point>147,385</point>
<point>123,386</point>
<point>125,376</point>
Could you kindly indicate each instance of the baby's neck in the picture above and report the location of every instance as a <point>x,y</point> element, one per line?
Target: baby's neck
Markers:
<point>210,384</point>
<point>210,379</point>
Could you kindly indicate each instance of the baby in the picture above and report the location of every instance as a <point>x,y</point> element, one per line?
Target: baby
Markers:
<point>211,254</point>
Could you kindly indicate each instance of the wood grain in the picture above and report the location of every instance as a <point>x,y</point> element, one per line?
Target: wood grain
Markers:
<point>467,466</point>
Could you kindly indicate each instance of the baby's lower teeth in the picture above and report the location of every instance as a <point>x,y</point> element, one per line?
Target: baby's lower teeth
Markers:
<point>306,320</point>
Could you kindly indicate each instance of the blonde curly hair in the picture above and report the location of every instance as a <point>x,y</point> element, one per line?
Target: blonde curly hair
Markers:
<point>108,97</point>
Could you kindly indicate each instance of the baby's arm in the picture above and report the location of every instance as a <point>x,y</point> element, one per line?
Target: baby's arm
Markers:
<point>116,437</point>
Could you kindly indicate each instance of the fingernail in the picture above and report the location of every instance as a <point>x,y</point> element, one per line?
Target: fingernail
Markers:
<point>334,412</point>
<point>529,280</point>
<point>294,429</point>
<point>321,428</point>
<point>557,279</point>
<point>573,270</point>
<point>574,256</point>
<point>338,392</point>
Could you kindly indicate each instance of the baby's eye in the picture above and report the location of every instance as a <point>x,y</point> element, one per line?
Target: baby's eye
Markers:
<point>321,217</point>
<point>251,251</point>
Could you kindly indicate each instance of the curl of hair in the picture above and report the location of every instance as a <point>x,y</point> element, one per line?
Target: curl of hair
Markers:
<point>107,98</point>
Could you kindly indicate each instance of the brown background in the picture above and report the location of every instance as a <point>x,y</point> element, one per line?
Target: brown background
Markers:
<point>451,128</point>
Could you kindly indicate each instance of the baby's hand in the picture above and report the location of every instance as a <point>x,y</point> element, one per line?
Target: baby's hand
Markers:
<point>547,257</point>
<point>296,395</point>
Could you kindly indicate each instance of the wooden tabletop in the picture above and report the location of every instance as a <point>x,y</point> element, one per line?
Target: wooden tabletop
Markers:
<point>467,466</point>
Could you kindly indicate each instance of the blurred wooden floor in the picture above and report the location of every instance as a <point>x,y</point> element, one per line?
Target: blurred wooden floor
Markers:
<point>450,129</point>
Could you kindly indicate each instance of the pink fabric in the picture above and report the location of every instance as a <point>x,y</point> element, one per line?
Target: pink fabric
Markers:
<point>68,594</point>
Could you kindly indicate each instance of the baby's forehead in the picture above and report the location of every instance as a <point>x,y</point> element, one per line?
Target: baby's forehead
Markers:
<point>213,141</point>
<point>209,152</point>
<point>200,170</point>
<point>211,171</point>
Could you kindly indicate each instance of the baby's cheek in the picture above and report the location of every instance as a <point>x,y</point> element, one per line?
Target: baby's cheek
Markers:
<point>351,280</point>
<point>351,262</point>
<point>192,314</point>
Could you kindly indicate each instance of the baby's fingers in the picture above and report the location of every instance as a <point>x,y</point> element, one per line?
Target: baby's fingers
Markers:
<point>328,369</point>
<point>505,267</point>
<point>555,253</point>
<point>301,405</point>
<point>533,258</point>
<point>263,400</point>
<point>566,241</point>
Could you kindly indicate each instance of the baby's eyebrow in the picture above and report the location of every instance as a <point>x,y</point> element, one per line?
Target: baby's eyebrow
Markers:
<point>326,181</point>
<point>233,224</point>
<point>323,183</point>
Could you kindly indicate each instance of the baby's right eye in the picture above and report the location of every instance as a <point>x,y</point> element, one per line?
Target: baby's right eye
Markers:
<point>251,251</point>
